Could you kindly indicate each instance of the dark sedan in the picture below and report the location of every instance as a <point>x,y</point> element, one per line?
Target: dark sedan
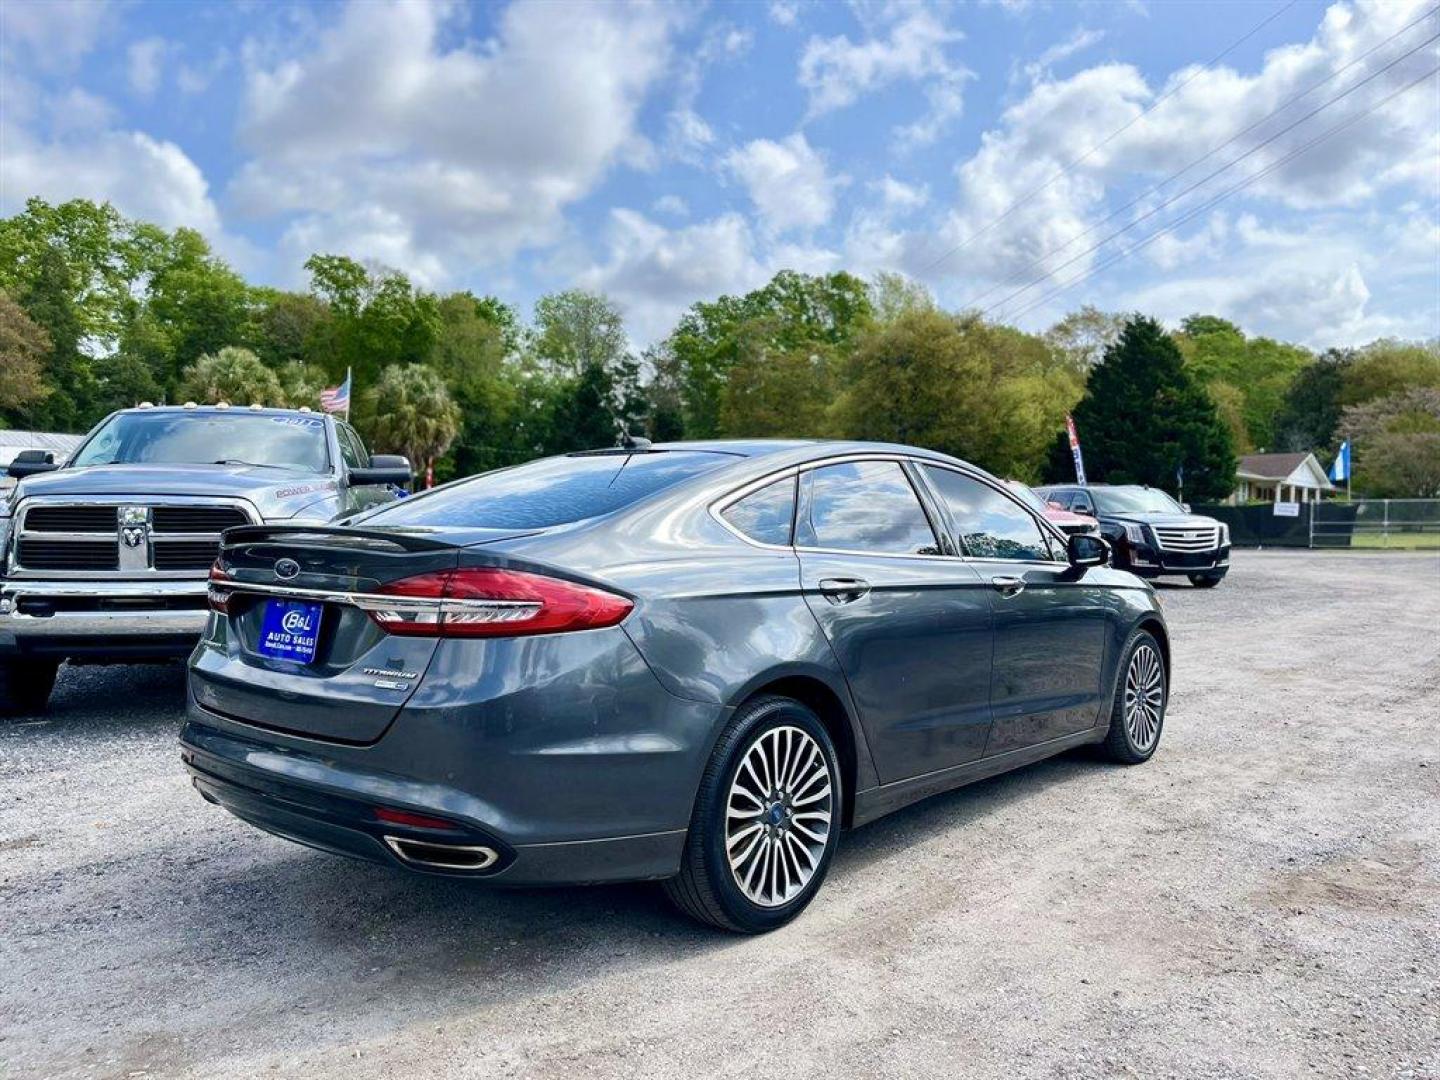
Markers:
<point>693,663</point>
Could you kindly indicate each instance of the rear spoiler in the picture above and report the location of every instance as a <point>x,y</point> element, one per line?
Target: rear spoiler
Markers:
<point>332,536</point>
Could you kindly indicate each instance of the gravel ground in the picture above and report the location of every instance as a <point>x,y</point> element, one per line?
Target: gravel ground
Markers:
<point>1261,899</point>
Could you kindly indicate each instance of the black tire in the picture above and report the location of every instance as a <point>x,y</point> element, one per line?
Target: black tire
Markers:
<point>1121,743</point>
<point>25,686</point>
<point>1205,581</point>
<point>706,888</point>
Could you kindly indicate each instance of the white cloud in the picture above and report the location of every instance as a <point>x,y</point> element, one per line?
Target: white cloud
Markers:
<point>672,205</point>
<point>655,273</point>
<point>447,155</point>
<point>144,177</point>
<point>784,12</point>
<point>1080,40</point>
<point>787,181</point>
<point>836,72</point>
<point>1039,182</point>
<point>143,65</point>
<point>52,35</point>
<point>900,196</point>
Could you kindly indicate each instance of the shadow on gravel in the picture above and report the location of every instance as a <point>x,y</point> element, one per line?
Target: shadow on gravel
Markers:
<point>137,696</point>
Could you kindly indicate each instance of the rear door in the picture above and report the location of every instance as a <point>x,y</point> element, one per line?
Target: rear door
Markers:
<point>1050,625</point>
<point>292,653</point>
<point>909,623</point>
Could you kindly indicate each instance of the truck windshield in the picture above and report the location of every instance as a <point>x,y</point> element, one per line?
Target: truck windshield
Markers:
<point>1135,500</point>
<point>208,438</point>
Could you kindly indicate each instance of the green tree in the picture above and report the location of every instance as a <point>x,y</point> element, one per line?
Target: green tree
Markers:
<point>289,328</point>
<point>957,384</point>
<point>123,381</point>
<point>1389,367</point>
<point>203,305</point>
<point>1081,337</point>
<point>1309,418</point>
<point>472,351</point>
<point>893,295</point>
<point>23,347</point>
<point>799,311</point>
<point>1261,369</point>
<point>575,330</point>
<point>418,417</point>
<point>1395,443</point>
<point>49,300</point>
<point>1143,418</point>
<point>232,374</point>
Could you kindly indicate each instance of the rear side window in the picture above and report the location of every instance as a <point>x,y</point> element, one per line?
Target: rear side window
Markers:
<point>866,506</point>
<point>765,515</point>
<point>552,491</point>
<point>991,525</point>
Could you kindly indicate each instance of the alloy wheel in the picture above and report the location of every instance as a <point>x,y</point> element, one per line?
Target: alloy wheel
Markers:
<point>1144,697</point>
<point>778,816</point>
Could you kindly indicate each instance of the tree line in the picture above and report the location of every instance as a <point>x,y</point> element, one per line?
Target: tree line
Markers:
<point>99,312</point>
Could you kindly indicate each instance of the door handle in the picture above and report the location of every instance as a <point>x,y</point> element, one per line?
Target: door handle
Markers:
<point>843,590</point>
<point>1008,586</point>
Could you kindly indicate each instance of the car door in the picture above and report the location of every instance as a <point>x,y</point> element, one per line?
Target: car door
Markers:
<point>910,624</point>
<point>1050,625</point>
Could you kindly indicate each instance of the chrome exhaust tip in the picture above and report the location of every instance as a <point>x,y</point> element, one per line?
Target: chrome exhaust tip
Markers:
<point>435,856</point>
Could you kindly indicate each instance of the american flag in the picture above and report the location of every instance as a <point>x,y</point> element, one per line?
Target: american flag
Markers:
<point>336,398</point>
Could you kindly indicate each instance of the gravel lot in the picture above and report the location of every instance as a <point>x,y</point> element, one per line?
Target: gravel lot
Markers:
<point>1261,899</point>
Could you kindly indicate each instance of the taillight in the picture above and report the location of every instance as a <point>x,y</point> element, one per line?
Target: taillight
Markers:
<point>488,602</point>
<point>219,589</point>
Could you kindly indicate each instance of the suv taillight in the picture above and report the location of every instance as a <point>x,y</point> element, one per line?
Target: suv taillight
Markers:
<point>488,602</point>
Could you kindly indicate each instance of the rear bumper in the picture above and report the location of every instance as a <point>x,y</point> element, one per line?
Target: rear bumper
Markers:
<point>101,619</point>
<point>313,800</point>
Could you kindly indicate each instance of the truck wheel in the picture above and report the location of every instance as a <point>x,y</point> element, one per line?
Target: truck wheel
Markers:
<point>1204,581</point>
<point>25,686</point>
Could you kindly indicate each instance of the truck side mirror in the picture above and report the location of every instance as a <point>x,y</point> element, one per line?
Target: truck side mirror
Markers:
<point>29,462</point>
<point>384,469</point>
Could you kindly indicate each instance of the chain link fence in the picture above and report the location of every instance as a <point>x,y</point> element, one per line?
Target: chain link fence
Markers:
<point>1395,524</point>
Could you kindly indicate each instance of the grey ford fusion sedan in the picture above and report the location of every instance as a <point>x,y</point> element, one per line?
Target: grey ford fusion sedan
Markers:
<point>694,663</point>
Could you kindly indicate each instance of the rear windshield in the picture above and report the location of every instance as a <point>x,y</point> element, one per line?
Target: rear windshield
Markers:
<point>552,491</point>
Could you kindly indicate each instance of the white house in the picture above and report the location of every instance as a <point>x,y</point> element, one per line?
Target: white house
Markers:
<point>1280,478</point>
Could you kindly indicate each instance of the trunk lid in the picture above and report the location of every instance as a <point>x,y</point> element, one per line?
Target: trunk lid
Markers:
<point>357,677</point>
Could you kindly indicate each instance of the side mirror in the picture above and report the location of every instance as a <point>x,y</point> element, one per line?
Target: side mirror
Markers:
<point>1086,549</point>
<point>29,462</point>
<point>384,469</point>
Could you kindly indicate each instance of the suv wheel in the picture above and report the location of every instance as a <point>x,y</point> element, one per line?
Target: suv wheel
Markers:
<point>1205,581</point>
<point>1141,694</point>
<point>766,820</point>
<point>25,686</point>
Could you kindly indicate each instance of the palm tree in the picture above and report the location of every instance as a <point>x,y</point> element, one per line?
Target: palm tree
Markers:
<point>414,415</point>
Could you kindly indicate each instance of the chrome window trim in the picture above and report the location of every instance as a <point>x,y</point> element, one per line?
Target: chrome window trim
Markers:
<point>717,506</point>
<point>1045,526</point>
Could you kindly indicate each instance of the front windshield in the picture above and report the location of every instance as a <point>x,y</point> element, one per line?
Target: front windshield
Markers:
<point>1134,500</point>
<point>209,438</point>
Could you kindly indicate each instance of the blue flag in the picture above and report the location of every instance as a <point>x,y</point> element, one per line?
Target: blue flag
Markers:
<point>1340,469</point>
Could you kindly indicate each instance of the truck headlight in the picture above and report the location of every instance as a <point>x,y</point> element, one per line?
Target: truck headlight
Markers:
<point>1135,534</point>
<point>1224,535</point>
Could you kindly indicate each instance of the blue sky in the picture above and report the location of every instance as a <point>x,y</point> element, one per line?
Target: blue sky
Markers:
<point>666,154</point>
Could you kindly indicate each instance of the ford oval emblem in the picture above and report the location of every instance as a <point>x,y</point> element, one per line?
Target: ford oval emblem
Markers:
<point>286,568</point>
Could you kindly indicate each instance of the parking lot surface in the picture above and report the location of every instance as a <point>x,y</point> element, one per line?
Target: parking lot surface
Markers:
<point>1261,899</point>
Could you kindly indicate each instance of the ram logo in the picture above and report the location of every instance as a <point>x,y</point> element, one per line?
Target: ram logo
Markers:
<point>134,525</point>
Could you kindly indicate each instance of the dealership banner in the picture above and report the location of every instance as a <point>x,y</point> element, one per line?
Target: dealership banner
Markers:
<point>1075,449</point>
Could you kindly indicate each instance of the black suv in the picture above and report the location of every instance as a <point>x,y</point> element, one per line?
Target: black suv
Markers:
<point>1151,533</point>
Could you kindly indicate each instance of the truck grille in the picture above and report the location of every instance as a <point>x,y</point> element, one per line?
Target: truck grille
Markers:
<point>185,554</point>
<point>71,519</point>
<point>197,519</point>
<point>130,538</point>
<point>69,554</point>
<point>1187,537</point>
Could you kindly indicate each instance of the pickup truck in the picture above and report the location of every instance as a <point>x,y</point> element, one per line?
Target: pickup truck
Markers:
<point>106,559</point>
